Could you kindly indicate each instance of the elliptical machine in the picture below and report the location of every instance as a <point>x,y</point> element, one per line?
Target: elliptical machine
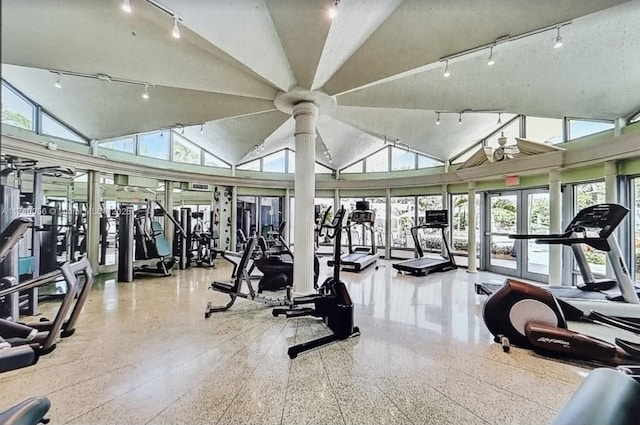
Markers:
<point>332,303</point>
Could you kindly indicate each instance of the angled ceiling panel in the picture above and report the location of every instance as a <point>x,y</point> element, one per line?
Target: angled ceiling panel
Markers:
<point>421,32</point>
<point>302,26</point>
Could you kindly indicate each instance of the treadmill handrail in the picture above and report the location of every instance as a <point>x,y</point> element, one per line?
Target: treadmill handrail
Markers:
<point>12,235</point>
<point>77,267</point>
<point>539,235</point>
<point>597,243</point>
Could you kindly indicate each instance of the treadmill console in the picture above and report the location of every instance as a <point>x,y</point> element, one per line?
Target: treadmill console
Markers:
<point>360,217</point>
<point>604,218</point>
<point>436,218</point>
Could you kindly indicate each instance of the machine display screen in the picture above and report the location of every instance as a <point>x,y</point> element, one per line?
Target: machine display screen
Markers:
<point>363,216</point>
<point>440,217</point>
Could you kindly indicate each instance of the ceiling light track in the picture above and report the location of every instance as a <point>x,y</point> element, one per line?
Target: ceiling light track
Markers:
<point>506,39</point>
<point>101,77</point>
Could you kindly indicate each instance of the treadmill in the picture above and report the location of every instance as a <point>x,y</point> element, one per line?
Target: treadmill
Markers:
<point>593,226</point>
<point>360,257</point>
<point>421,266</point>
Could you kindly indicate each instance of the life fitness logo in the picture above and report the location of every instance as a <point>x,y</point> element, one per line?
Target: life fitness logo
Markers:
<point>548,340</point>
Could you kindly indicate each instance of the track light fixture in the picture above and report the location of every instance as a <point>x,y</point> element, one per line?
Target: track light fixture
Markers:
<point>201,128</point>
<point>499,118</point>
<point>58,84</point>
<point>334,9</point>
<point>145,93</point>
<point>460,118</point>
<point>491,62</point>
<point>558,40</point>
<point>505,39</point>
<point>437,118</point>
<point>176,29</point>
<point>126,6</point>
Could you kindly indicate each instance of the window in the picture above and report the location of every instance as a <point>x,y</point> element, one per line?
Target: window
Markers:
<point>402,159</point>
<point>510,132</point>
<point>250,166</point>
<point>213,161</point>
<point>430,239</point>
<point>154,145</point>
<point>127,144</point>
<point>16,111</point>
<point>184,150</point>
<point>581,128</point>
<point>53,128</point>
<point>544,130</point>
<point>291,163</point>
<point>378,162</point>
<point>358,167</point>
<point>588,194</point>
<point>426,162</point>
<point>403,211</point>
<point>270,214</point>
<point>274,163</point>
<point>379,205</point>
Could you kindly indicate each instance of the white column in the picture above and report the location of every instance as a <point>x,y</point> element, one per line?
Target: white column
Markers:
<point>387,226</point>
<point>305,114</point>
<point>168,205</point>
<point>93,218</point>
<point>472,236</point>
<point>611,197</point>
<point>555,226</point>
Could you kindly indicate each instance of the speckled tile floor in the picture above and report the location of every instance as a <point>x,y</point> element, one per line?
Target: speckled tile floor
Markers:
<point>144,354</point>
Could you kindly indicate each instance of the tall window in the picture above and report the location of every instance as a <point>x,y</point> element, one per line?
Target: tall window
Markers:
<point>588,194</point>
<point>357,237</point>
<point>154,145</point>
<point>581,128</point>
<point>185,151</point>
<point>430,239</point>
<point>378,162</point>
<point>126,144</point>
<point>379,205</point>
<point>16,110</point>
<point>402,159</point>
<point>403,211</point>
<point>53,128</point>
<point>459,223</point>
<point>270,214</point>
<point>544,130</point>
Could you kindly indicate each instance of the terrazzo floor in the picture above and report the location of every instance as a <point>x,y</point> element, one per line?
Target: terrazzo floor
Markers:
<point>145,354</point>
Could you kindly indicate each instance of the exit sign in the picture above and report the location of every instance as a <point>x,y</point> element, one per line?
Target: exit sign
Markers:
<point>512,180</point>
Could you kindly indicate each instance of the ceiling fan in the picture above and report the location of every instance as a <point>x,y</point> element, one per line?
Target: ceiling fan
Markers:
<point>503,151</point>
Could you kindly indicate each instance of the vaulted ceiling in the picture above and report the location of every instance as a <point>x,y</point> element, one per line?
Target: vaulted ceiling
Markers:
<point>379,59</point>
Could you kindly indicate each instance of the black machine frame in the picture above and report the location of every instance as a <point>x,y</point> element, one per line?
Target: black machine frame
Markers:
<point>421,265</point>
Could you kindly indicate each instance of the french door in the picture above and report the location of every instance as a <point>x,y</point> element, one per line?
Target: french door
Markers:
<point>517,212</point>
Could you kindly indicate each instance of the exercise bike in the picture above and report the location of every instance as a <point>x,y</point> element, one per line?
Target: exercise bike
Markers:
<point>332,303</point>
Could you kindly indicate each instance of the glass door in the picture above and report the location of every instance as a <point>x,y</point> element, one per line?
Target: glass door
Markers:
<point>517,212</point>
<point>502,221</point>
